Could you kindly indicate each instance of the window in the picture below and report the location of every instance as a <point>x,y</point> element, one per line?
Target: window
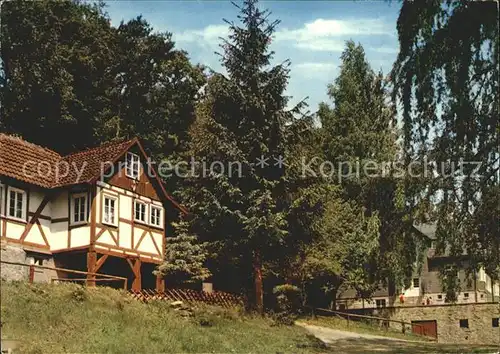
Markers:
<point>140,211</point>
<point>380,303</point>
<point>1,199</point>
<point>466,295</point>
<point>156,216</point>
<point>416,282</point>
<point>433,245</point>
<point>440,297</point>
<point>79,208</point>
<point>109,214</point>
<point>464,323</point>
<point>37,261</point>
<point>494,322</point>
<point>132,165</point>
<point>16,204</point>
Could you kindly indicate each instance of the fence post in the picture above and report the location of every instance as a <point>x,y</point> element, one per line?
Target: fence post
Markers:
<point>404,327</point>
<point>31,276</point>
<point>347,320</point>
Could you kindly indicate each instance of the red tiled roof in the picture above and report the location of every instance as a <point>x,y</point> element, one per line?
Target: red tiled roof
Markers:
<point>20,160</point>
<point>37,165</point>
<point>91,161</point>
<point>40,166</point>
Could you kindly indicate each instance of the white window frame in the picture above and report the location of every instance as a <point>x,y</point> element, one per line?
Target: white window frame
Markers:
<point>2,199</point>
<point>160,216</point>
<point>132,160</point>
<point>115,210</point>
<point>146,214</point>
<point>23,207</point>
<point>413,283</point>
<point>72,209</point>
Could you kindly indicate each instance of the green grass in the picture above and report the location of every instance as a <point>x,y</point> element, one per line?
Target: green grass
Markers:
<point>62,318</point>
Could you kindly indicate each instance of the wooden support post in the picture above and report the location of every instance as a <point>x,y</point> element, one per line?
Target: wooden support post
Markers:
<point>136,269</point>
<point>91,266</point>
<point>31,276</point>
<point>160,283</point>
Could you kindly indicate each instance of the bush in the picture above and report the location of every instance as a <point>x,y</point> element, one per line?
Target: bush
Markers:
<point>79,294</point>
<point>287,304</point>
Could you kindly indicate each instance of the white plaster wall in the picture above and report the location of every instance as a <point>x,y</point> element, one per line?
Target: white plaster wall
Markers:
<point>125,235</point>
<point>80,236</point>
<point>107,239</point>
<point>126,207</point>
<point>14,230</point>
<point>59,206</point>
<point>58,236</point>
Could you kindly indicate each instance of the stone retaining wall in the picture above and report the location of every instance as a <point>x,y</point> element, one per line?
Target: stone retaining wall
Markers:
<point>480,319</point>
<point>15,253</point>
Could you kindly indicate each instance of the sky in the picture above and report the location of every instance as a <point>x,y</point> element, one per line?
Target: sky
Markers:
<point>312,35</point>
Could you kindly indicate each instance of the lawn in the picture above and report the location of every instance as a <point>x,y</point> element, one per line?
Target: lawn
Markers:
<point>62,318</point>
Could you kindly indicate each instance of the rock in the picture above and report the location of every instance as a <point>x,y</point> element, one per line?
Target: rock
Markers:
<point>176,304</point>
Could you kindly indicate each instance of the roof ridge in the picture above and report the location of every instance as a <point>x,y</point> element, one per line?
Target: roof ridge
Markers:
<point>23,141</point>
<point>105,145</point>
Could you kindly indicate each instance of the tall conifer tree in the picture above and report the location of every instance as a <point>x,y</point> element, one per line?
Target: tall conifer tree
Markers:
<point>243,120</point>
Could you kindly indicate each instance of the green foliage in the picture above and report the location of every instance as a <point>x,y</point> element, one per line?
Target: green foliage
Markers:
<point>184,257</point>
<point>358,131</point>
<point>288,303</point>
<point>97,325</point>
<point>54,73</point>
<point>240,118</point>
<point>446,80</point>
<point>345,247</point>
<point>67,72</point>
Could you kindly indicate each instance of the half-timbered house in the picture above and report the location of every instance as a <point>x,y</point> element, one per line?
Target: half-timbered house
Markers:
<point>103,210</point>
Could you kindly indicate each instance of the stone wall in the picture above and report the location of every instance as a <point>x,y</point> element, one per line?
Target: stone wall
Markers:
<point>12,253</point>
<point>480,316</point>
<point>15,253</point>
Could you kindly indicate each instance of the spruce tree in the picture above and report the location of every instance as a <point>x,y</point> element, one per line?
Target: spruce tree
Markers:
<point>241,120</point>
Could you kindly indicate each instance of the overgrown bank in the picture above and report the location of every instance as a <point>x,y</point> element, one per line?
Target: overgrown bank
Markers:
<point>68,318</point>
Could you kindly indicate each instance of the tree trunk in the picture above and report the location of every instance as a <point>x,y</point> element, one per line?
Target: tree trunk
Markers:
<point>333,302</point>
<point>259,295</point>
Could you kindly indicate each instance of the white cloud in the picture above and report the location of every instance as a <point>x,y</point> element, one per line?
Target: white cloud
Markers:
<point>315,69</point>
<point>330,35</point>
<point>209,35</point>
<point>322,44</point>
<point>385,50</point>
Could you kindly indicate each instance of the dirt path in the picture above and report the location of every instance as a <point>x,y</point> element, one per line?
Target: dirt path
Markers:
<point>352,342</point>
<point>330,335</point>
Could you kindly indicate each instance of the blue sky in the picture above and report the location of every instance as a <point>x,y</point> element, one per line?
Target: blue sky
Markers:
<point>312,34</point>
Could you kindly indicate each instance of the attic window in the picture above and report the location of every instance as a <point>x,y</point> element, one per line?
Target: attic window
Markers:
<point>132,165</point>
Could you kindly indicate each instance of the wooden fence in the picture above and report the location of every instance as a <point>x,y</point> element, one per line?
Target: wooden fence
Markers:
<point>191,297</point>
<point>382,322</point>
<point>68,275</point>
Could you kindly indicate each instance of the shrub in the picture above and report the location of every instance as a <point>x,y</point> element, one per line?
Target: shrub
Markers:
<point>287,304</point>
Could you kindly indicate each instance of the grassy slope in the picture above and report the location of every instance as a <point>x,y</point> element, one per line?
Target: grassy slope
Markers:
<point>68,318</point>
